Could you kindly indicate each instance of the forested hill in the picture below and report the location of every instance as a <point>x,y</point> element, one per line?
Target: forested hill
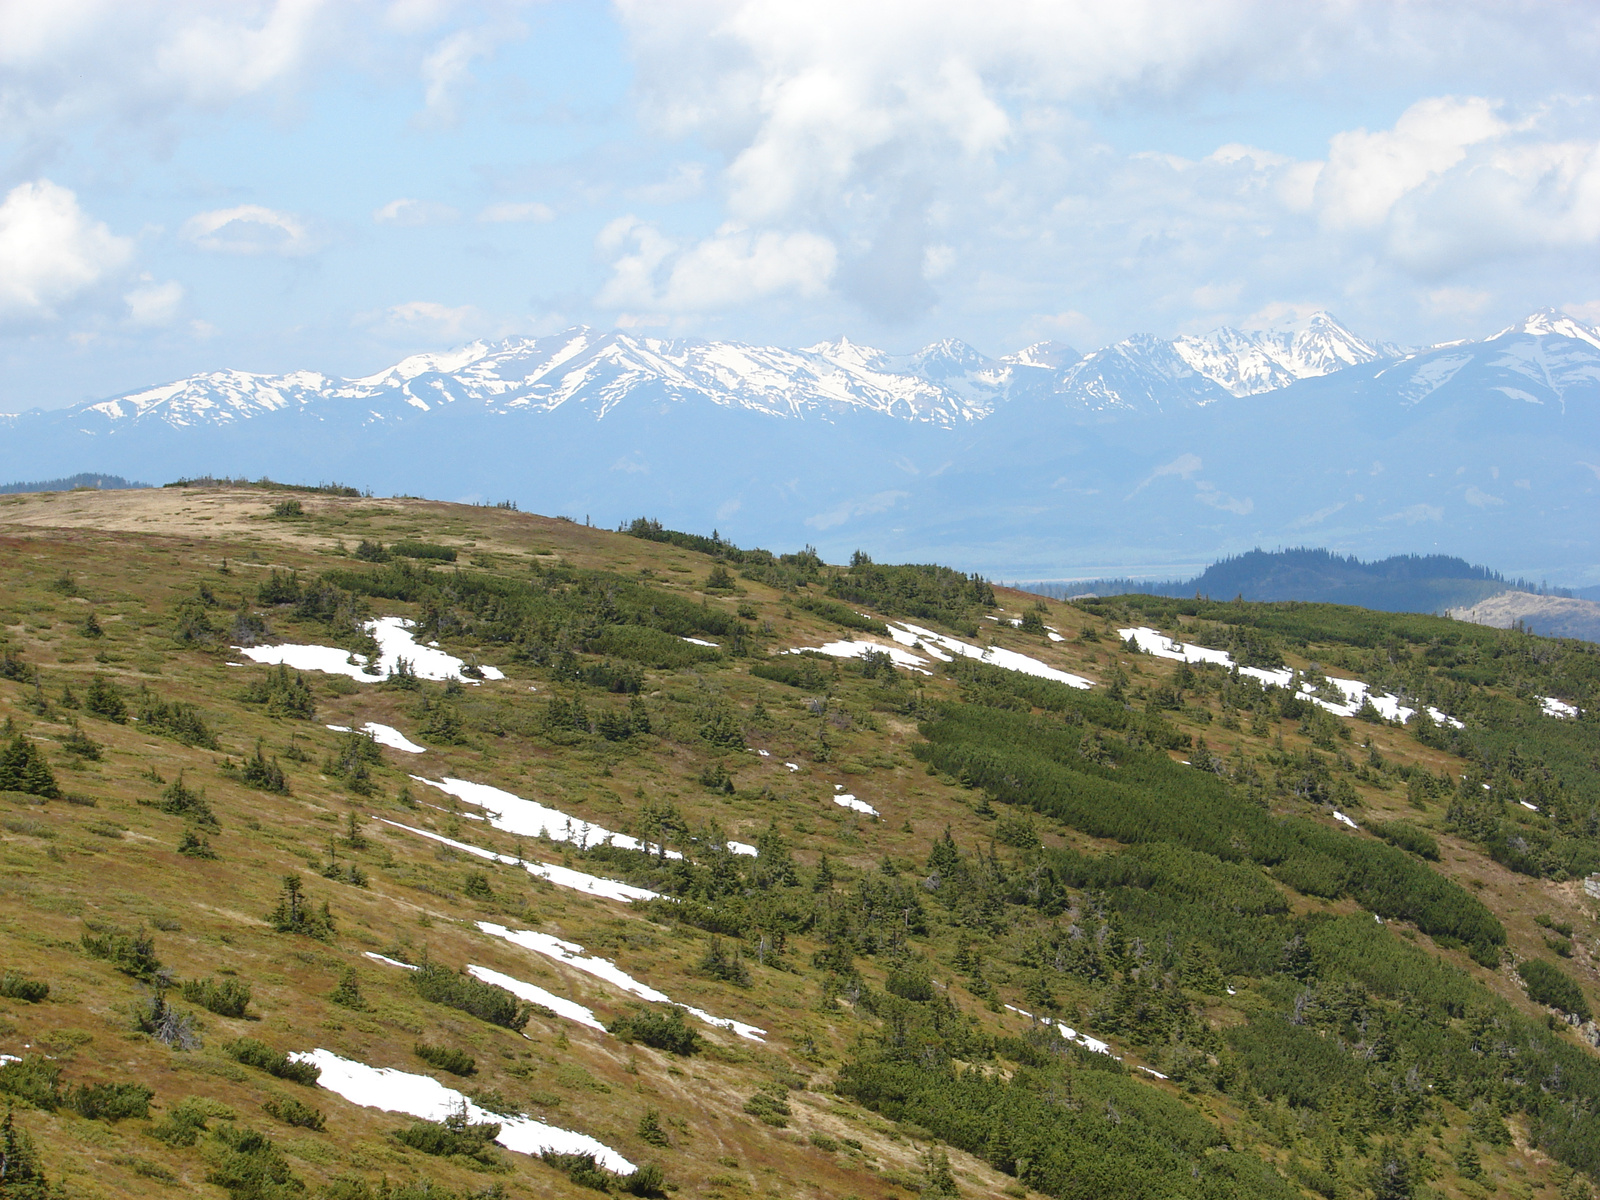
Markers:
<point>362,849</point>
<point>1402,583</point>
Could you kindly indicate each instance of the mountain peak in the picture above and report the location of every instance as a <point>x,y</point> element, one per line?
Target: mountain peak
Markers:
<point>1053,355</point>
<point>1552,322</point>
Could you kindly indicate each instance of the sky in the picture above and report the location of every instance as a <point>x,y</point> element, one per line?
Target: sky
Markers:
<point>330,186</point>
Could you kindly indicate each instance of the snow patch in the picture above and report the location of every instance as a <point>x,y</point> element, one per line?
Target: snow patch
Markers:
<point>570,1009</point>
<point>572,955</point>
<point>946,648</point>
<point>393,635</point>
<point>425,1097</point>
<point>566,877</point>
<point>701,642</point>
<point>846,800</point>
<point>1352,692</point>
<point>385,735</point>
<point>1559,709</point>
<point>1344,820</point>
<point>850,648</point>
<point>1072,1035</point>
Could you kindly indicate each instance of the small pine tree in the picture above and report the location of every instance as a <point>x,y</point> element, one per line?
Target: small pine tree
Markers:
<point>719,964</point>
<point>295,914</point>
<point>22,1174</point>
<point>938,1182</point>
<point>347,993</point>
<point>259,772</point>
<point>651,1130</point>
<point>192,845</point>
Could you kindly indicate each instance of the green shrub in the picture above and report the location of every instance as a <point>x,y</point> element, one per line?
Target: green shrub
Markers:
<point>131,952</point>
<point>109,1101</point>
<point>274,1062</point>
<point>456,1136</point>
<point>248,1166</point>
<point>33,1079</point>
<point>227,997</point>
<point>1408,837</point>
<point>14,985</point>
<point>282,694</point>
<point>103,699</point>
<point>425,550</point>
<point>193,845</point>
<point>288,509</point>
<point>1547,985</point>
<point>292,1112</point>
<point>446,1058</point>
<point>661,1028</point>
<point>177,720</point>
<point>180,800</point>
<point>581,1169</point>
<point>718,963</point>
<point>260,772</point>
<point>483,1000</point>
<point>186,1121</point>
<point>769,1110</point>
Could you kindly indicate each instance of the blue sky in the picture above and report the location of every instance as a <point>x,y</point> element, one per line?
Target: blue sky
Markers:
<point>330,186</point>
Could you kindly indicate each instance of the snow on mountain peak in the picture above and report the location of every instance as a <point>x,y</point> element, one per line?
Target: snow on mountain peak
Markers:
<point>1552,322</point>
<point>1247,363</point>
<point>1055,356</point>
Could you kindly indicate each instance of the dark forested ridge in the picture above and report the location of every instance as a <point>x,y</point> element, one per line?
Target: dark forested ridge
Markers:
<point>1421,583</point>
<point>1177,934</point>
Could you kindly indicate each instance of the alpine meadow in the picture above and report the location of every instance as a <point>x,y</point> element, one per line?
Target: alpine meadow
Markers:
<point>392,848</point>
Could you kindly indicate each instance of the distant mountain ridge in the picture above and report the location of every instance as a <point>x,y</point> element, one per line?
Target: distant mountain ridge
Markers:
<point>1401,583</point>
<point>1152,450</point>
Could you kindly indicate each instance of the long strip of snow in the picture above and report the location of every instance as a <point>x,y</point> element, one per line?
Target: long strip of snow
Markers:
<point>511,813</point>
<point>562,1007</point>
<point>424,1097</point>
<point>385,735</point>
<point>851,648</point>
<point>578,881</point>
<point>1071,1034</point>
<point>1559,709</point>
<point>944,648</point>
<point>573,956</point>
<point>393,635</point>
<point>559,1005</point>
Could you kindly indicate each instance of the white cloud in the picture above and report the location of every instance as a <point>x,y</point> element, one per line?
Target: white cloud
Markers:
<point>1367,173</point>
<point>154,303</point>
<point>51,251</point>
<point>415,212</point>
<point>1458,301</point>
<point>735,266</point>
<point>684,182</point>
<point>508,212</point>
<point>249,229</point>
<point>428,321</point>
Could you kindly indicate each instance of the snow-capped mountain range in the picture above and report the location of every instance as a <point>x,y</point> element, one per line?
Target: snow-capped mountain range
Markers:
<point>1152,450</point>
<point>946,384</point>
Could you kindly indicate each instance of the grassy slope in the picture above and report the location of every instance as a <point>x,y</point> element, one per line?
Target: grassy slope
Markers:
<point>134,555</point>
